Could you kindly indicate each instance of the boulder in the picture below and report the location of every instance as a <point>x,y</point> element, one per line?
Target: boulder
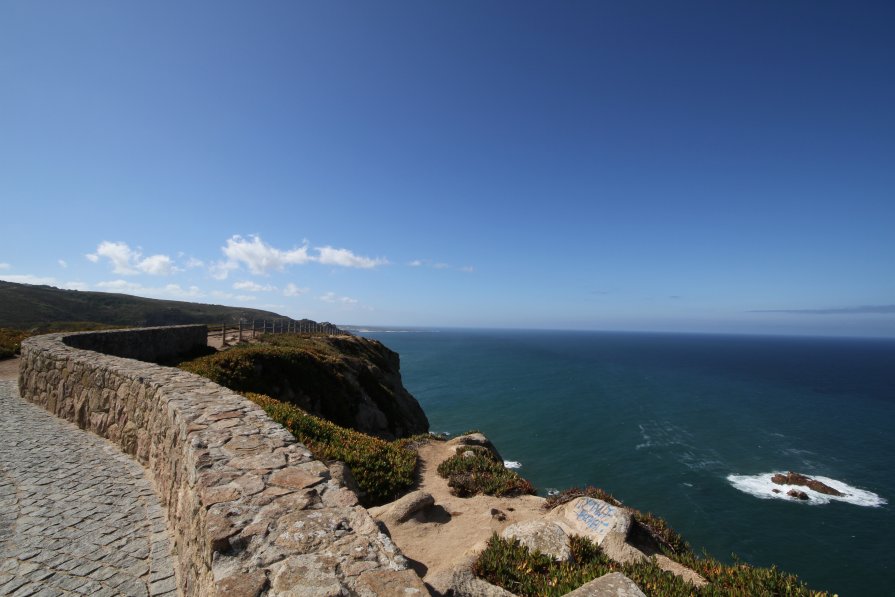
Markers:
<point>604,524</point>
<point>792,478</point>
<point>795,493</point>
<point>376,583</point>
<point>592,518</point>
<point>541,535</point>
<point>459,581</point>
<point>614,584</point>
<point>405,508</point>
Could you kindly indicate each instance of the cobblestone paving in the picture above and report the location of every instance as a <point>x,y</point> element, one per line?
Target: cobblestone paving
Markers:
<point>77,516</point>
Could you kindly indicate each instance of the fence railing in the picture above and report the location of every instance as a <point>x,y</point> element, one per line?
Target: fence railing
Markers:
<point>243,331</point>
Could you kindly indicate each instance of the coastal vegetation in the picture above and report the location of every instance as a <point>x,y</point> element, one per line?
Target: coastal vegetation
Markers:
<point>383,470</point>
<point>350,381</point>
<point>10,340</point>
<point>508,564</point>
<point>476,470</point>
<point>27,306</point>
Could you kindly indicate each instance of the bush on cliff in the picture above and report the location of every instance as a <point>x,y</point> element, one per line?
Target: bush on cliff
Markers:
<point>383,470</point>
<point>10,341</point>
<point>473,470</point>
<point>508,564</point>
<point>353,382</point>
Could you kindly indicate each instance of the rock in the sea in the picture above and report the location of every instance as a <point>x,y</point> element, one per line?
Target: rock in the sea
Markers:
<point>541,535</point>
<point>800,495</point>
<point>792,478</point>
<point>614,584</point>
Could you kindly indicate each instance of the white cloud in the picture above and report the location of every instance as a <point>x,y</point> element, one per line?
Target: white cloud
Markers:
<point>259,257</point>
<point>128,262</point>
<point>76,286</point>
<point>62,263</point>
<point>157,265</point>
<point>330,297</point>
<point>232,297</point>
<point>167,291</point>
<point>4,266</point>
<point>253,286</point>
<point>177,290</point>
<point>192,263</point>
<point>439,265</point>
<point>346,258</point>
<point>293,290</point>
<point>29,279</point>
<point>119,286</point>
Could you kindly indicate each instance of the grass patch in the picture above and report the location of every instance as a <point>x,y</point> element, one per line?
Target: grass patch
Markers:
<point>508,564</point>
<point>383,470</point>
<point>10,342</point>
<point>482,472</point>
<point>11,339</point>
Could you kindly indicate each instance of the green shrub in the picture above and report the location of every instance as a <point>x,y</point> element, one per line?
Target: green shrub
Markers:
<point>481,472</point>
<point>506,563</point>
<point>383,470</point>
<point>10,341</point>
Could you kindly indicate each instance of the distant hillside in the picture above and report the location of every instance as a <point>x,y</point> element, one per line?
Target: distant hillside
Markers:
<point>24,306</point>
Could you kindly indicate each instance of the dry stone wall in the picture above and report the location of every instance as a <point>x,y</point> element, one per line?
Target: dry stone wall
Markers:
<point>250,510</point>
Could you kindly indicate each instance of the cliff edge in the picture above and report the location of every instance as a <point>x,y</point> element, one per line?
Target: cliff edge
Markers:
<point>352,381</point>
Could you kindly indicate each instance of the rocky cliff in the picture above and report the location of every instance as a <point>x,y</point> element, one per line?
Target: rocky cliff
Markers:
<point>353,382</point>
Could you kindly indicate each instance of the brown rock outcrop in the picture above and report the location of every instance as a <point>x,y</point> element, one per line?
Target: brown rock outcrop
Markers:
<point>792,478</point>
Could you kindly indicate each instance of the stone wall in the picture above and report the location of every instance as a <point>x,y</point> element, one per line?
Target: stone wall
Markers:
<point>250,510</point>
<point>144,344</point>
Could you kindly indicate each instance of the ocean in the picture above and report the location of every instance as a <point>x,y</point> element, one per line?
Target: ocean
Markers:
<point>689,427</point>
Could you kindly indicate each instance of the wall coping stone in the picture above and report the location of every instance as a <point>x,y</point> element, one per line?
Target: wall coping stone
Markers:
<point>250,510</point>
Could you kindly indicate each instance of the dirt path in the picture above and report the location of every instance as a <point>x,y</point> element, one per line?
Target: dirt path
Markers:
<point>455,528</point>
<point>9,368</point>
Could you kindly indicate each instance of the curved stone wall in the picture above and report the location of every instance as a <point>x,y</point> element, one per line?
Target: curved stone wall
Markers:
<point>250,510</point>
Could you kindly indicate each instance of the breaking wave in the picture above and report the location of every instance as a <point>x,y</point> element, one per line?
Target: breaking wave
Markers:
<point>762,487</point>
<point>512,464</point>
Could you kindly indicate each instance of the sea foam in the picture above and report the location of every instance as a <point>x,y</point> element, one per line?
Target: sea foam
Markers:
<point>512,464</point>
<point>762,487</point>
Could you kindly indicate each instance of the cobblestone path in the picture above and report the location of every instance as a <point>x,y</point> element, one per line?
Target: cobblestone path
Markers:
<point>77,516</point>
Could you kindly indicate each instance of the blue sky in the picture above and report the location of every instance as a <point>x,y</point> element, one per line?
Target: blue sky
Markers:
<point>694,166</point>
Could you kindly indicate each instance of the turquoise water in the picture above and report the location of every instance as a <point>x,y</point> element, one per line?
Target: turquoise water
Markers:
<point>689,427</point>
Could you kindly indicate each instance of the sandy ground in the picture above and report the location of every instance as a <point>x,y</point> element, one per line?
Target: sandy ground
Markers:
<point>455,528</point>
<point>9,368</point>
